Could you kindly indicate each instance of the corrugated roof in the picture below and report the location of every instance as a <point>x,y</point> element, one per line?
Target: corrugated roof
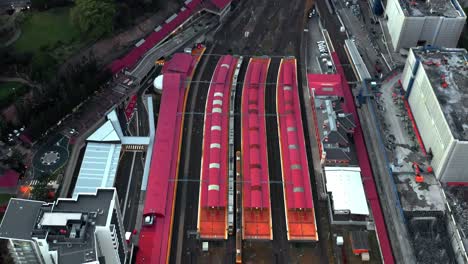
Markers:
<point>98,168</point>
<point>347,189</point>
<point>221,3</point>
<point>106,133</point>
<point>325,84</point>
<point>8,178</point>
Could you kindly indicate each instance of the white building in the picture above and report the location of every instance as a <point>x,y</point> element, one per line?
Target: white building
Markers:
<point>414,23</point>
<point>87,229</point>
<point>104,148</point>
<point>347,196</point>
<point>436,85</point>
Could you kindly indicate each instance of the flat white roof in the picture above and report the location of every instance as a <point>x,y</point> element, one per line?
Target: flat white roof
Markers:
<point>98,168</point>
<point>106,133</point>
<point>347,189</point>
<point>59,219</point>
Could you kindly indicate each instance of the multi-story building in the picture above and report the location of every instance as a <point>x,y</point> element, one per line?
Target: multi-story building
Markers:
<point>414,23</point>
<point>435,82</point>
<point>86,229</point>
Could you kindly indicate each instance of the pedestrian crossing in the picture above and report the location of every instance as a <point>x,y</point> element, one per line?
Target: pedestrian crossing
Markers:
<point>135,147</point>
<point>36,182</point>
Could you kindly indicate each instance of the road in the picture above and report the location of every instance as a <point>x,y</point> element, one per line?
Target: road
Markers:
<point>128,185</point>
<point>314,34</point>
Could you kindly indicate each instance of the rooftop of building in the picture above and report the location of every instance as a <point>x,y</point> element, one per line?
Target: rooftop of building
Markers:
<point>21,217</point>
<point>420,8</point>
<point>347,190</point>
<point>425,196</point>
<point>333,125</point>
<point>449,67</point>
<point>68,225</point>
<point>97,203</point>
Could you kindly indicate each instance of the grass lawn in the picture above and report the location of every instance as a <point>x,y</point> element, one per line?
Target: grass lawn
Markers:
<point>7,93</point>
<point>46,28</point>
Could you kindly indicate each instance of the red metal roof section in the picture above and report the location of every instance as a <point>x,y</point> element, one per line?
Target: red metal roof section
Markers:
<point>212,218</point>
<point>299,206</point>
<point>366,172</point>
<point>221,3</point>
<point>129,60</point>
<point>179,63</point>
<point>325,84</point>
<point>155,240</point>
<point>9,178</point>
<point>255,190</point>
<point>162,166</point>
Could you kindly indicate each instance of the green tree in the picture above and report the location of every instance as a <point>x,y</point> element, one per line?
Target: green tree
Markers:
<point>16,160</point>
<point>94,17</point>
<point>3,128</point>
<point>39,191</point>
<point>43,67</point>
<point>39,4</point>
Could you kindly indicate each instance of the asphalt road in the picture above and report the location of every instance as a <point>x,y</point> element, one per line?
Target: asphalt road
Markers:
<point>128,185</point>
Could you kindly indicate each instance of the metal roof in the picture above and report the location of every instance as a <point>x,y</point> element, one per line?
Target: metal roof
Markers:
<point>106,133</point>
<point>98,168</point>
<point>347,189</point>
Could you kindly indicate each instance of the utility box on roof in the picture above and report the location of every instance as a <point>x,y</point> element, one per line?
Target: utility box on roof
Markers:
<point>205,246</point>
<point>365,256</point>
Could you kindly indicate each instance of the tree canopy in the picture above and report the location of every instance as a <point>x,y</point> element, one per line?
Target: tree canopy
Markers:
<point>94,17</point>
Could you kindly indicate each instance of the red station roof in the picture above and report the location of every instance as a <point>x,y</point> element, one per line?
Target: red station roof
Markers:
<point>366,172</point>
<point>160,193</point>
<point>213,189</point>
<point>256,188</point>
<point>154,240</point>
<point>325,84</point>
<point>221,3</point>
<point>180,63</point>
<point>296,177</point>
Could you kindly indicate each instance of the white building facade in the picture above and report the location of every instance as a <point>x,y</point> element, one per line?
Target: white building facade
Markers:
<point>419,23</point>
<point>436,86</point>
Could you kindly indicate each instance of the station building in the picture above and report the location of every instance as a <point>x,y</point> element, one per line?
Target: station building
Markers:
<point>86,229</point>
<point>435,82</point>
<point>414,23</point>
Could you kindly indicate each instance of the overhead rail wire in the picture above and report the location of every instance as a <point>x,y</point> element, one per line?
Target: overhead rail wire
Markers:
<point>234,114</point>
<point>235,181</point>
<point>266,83</point>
